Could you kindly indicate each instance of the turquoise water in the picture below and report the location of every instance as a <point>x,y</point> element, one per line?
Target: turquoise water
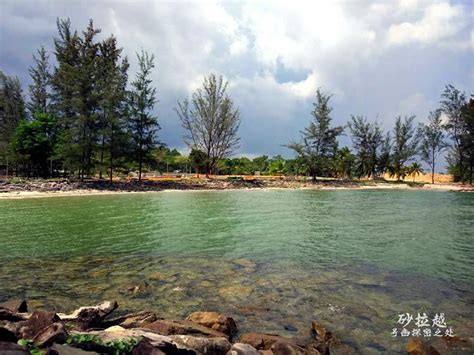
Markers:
<point>351,259</point>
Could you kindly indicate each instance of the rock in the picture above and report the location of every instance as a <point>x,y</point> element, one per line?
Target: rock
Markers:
<point>136,289</point>
<point>217,346</point>
<point>238,291</point>
<point>90,317</point>
<point>157,276</point>
<point>145,347</point>
<point>37,322</point>
<point>161,342</point>
<point>242,349</point>
<point>7,335</point>
<point>17,306</point>
<point>7,348</point>
<point>55,333</point>
<point>214,320</point>
<point>262,341</point>
<point>453,344</point>
<point>418,347</point>
<point>322,334</point>
<point>59,349</point>
<point>245,263</point>
<point>284,348</point>
<point>182,327</point>
<point>6,314</point>
<point>133,320</point>
<point>290,328</point>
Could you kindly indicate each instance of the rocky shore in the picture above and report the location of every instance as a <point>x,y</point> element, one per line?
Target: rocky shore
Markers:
<point>32,188</point>
<point>94,330</point>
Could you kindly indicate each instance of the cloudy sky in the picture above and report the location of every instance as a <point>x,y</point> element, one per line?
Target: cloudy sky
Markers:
<point>379,58</point>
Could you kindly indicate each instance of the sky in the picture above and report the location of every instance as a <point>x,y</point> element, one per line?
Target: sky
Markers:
<point>379,59</point>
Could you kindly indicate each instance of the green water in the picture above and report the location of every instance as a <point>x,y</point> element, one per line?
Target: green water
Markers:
<point>351,259</point>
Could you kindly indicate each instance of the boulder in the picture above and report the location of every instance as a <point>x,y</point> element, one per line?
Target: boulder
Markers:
<point>182,327</point>
<point>6,314</point>
<point>7,335</point>
<point>418,347</point>
<point>262,341</point>
<point>214,320</point>
<point>7,348</point>
<point>322,334</point>
<point>285,348</point>
<point>15,305</point>
<point>37,322</point>
<point>215,346</point>
<point>242,349</point>
<point>161,342</point>
<point>133,320</point>
<point>55,333</point>
<point>145,347</point>
<point>90,317</point>
<point>59,349</point>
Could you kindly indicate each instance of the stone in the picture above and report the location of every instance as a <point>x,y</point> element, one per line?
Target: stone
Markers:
<point>238,291</point>
<point>90,317</point>
<point>322,334</point>
<point>37,322</point>
<point>242,349</point>
<point>60,349</point>
<point>157,276</point>
<point>145,347</point>
<point>54,333</point>
<point>7,334</point>
<point>214,320</point>
<point>161,342</point>
<point>418,347</point>
<point>284,348</point>
<point>17,306</point>
<point>216,346</point>
<point>6,314</point>
<point>7,348</point>
<point>139,288</point>
<point>262,341</point>
<point>133,320</point>
<point>290,328</point>
<point>453,344</point>
<point>182,327</point>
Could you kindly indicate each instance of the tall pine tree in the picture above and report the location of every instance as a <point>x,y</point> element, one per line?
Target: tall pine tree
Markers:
<point>143,124</point>
<point>39,89</point>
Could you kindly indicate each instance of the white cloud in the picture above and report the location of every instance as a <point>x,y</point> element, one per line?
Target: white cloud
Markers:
<point>440,22</point>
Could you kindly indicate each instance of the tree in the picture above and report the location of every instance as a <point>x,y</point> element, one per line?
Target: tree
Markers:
<point>198,160</point>
<point>277,166</point>
<point>34,141</point>
<point>143,124</point>
<point>415,170</point>
<point>261,163</point>
<point>212,122</point>
<point>343,163</point>
<point>12,111</point>
<point>39,89</point>
<point>319,139</point>
<point>404,144</point>
<point>112,103</point>
<point>372,149</point>
<point>432,141</point>
<point>452,103</point>
<point>468,136</point>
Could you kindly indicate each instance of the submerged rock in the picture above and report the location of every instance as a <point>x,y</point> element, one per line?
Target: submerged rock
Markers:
<point>418,347</point>
<point>214,320</point>
<point>238,291</point>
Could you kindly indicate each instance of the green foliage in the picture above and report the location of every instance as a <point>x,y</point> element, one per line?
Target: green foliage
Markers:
<point>319,139</point>
<point>404,144</point>
<point>143,124</point>
<point>120,346</point>
<point>28,344</point>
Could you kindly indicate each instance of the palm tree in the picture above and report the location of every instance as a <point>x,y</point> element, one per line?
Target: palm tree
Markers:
<point>415,169</point>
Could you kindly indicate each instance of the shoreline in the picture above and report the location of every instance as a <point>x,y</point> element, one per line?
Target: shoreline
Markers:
<point>33,189</point>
